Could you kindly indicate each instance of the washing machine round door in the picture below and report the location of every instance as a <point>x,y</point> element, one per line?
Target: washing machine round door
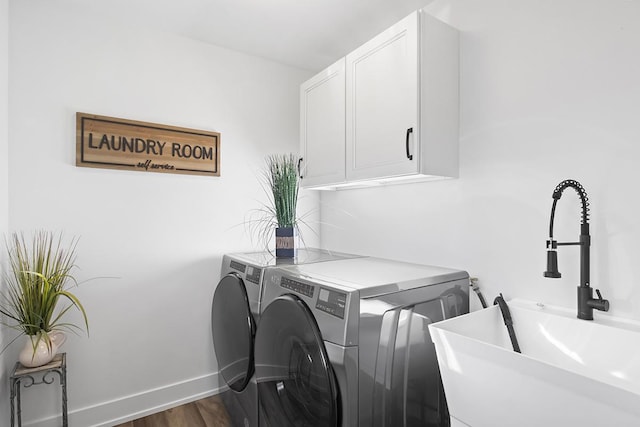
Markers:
<point>233,329</point>
<point>296,385</point>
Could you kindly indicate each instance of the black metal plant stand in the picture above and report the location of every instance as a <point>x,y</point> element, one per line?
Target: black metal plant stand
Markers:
<point>22,376</point>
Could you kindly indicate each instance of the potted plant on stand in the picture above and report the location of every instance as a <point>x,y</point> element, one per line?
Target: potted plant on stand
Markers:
<point>35,289</point>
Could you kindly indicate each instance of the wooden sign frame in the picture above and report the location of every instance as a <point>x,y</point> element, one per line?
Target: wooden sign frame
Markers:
<point>114,143</point>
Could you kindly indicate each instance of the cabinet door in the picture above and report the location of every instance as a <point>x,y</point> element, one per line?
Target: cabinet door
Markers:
<point>322,127</point>
<point>382,104</point>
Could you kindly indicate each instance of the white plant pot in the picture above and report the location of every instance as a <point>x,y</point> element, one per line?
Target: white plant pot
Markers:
<point>37,351</point>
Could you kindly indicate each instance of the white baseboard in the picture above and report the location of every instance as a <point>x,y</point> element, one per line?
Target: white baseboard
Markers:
<point>134,406</point>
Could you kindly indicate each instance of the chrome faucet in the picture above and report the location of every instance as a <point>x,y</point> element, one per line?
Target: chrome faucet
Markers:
<point>586,302</point>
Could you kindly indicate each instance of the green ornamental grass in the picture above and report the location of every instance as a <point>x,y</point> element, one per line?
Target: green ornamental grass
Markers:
<point>37,282</point>
<point>280,183</point>
<point>282,177</point>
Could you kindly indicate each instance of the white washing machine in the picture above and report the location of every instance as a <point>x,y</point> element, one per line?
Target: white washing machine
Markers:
<point>235,315</point>
<point>347,343</point>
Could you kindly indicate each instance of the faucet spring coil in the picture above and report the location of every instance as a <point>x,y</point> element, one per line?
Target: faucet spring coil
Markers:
<point>582,193</point>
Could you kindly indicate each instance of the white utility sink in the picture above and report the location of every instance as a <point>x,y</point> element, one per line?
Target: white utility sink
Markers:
<point>571,372</point>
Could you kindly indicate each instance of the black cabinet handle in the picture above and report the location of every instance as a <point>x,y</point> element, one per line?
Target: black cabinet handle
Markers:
<point>299,171</point>
<point>409,155</point>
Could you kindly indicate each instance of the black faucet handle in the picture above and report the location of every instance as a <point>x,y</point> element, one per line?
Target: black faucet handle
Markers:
<point>600,303</point>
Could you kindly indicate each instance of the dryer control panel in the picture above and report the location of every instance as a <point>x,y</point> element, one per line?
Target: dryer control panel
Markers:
<point>299,287</point>
<point>332,302</point>
<point>253,274</point>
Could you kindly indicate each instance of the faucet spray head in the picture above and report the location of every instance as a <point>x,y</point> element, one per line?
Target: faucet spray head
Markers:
<point>552,265</point>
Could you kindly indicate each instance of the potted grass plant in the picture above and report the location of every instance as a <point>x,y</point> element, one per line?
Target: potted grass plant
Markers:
<point>281,183</point>
<point>282,175</point>
<point>36,296</point>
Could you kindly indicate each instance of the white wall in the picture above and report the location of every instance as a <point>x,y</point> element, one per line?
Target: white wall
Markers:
<point>5,361</point>
<point>549,90</point>
<point>160,236</point>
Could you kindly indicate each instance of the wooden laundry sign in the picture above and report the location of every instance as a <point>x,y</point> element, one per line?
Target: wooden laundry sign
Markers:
<point>112,143</point>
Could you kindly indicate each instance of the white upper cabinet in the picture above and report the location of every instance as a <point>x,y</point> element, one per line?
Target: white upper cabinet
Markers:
<point>382,104</point>
<point>322,121</point>
<point>398,109</point>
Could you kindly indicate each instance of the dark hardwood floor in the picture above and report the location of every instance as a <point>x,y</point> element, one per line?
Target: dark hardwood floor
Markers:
<point>209,412</point>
